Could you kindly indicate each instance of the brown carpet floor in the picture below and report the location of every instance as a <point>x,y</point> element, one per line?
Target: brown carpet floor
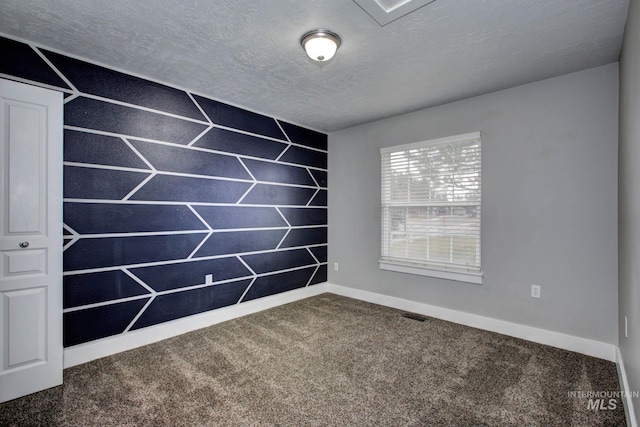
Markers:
<point>328,361</point>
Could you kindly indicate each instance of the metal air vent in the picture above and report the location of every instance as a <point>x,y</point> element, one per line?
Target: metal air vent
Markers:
<point>414,316</point>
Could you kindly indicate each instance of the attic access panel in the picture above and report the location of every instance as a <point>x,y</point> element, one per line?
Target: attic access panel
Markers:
<point>385,11</point>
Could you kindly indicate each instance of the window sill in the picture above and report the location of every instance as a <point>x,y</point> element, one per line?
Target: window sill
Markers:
<point>460,276</point>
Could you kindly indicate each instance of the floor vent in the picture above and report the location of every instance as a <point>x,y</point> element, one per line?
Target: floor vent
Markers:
<point>414,316</point>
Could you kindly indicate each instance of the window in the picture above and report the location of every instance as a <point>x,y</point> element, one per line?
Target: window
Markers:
<point>431,208</point>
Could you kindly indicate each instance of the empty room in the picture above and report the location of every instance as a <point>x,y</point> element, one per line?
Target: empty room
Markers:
<point>320,213</point>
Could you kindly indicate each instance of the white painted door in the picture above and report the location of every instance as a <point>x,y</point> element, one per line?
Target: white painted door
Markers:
<point>30,239</point>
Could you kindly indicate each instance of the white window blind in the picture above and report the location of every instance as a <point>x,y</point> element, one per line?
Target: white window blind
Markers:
<point>431,204</point>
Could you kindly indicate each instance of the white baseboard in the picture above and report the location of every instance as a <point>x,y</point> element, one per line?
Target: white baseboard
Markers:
<point>624,386</point>
<point>542,336</point>
<point>87,352</point>
<point>83,353</point>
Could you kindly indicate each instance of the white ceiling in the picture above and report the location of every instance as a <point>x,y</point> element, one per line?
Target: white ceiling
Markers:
<point>247,52</point>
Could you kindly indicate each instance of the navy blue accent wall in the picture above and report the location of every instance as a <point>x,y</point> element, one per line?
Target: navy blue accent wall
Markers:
<point>175,204</point>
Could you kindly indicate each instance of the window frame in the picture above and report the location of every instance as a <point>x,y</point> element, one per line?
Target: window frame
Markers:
<point>443,270</point>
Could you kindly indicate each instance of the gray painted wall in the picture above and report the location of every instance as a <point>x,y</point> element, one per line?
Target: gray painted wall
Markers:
<point>549,212</point>
<point>629,188</point>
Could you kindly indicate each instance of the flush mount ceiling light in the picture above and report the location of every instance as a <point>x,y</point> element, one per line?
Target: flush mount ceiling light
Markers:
<point>320,45</point>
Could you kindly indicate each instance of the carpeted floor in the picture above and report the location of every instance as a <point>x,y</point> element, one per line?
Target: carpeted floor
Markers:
<point>329,361</point>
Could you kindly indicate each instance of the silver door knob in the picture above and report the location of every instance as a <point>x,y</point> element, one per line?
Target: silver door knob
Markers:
<point>24,244</point>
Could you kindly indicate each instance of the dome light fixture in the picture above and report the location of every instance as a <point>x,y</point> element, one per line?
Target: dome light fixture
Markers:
<point>320,45</point>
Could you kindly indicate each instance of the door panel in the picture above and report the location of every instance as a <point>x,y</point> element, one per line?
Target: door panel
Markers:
<point>26,150</point>
<point>25,262</point>
<point>30,239</point>
<point>26,327</point>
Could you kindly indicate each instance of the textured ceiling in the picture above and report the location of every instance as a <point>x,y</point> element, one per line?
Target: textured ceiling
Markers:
<point>247,53</point>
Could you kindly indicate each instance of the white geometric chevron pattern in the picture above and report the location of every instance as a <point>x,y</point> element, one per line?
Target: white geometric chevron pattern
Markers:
<point>175,204</point>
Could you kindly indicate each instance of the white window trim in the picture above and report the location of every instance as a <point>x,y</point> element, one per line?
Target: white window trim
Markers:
<point>474,277</point>
<point>420,144</point>
<point>445,272</point>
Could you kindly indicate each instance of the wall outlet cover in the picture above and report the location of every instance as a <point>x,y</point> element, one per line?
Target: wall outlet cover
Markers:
<point>535,291</point>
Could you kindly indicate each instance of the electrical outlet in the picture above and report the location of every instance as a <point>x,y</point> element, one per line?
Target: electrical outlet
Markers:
<point>336,267</point>
<point>535,291</point>
<point>626,327</point>
<point>208,279</point>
